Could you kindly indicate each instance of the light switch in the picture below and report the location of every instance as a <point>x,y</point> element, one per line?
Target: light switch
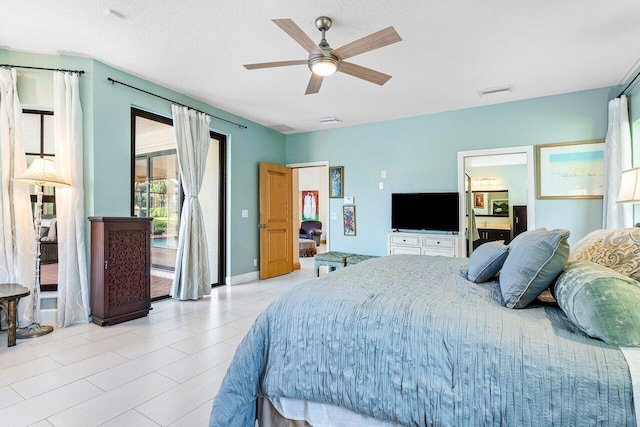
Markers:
<point>381,185</point>
<point>245,213</point>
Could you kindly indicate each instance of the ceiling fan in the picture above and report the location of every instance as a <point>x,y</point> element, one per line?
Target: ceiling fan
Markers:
<point>324,60</point>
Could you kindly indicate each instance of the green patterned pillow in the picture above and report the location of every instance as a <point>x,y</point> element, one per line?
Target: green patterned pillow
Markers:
<point>617,249</point>
<point>601,302</point>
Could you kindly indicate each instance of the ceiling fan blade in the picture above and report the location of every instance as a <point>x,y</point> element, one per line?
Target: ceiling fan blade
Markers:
<point>296,33</point>
<point>372,41</point>
<point>274,64</point>
<point>314,84</point>
<point>364,73</point>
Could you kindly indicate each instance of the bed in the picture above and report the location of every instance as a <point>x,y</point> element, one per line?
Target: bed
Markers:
<point>410,340</point>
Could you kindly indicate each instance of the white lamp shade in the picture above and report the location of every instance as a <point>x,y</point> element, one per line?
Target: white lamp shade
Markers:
<point>42,172</point>
<point>630,186</point>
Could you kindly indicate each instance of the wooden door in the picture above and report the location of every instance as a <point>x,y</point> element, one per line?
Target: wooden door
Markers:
<point>276,221</point>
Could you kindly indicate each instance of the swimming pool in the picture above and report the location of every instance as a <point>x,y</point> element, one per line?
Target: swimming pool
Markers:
<point>165,242</point>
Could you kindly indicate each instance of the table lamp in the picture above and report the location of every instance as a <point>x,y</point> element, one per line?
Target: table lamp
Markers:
<point>630,187</point>
<point>41,172</point>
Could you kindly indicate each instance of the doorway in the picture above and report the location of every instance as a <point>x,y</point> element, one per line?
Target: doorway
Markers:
<point>497,184</point>
<point>310,203</point>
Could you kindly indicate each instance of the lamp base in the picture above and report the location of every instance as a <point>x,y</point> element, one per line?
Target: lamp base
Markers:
<point>33,330</point>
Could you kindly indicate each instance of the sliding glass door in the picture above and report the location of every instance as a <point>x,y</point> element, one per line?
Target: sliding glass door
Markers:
<point>157,193</point>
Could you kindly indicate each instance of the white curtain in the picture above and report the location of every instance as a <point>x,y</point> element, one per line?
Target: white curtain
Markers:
<point>192,279</point>
<point>17,235</point>
<point>73,285</point>
<point>617,158</point>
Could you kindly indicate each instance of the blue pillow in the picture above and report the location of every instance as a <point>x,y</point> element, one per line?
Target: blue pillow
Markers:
<point>600,302</point>
<point>535,260</point>
<point>486,261</point>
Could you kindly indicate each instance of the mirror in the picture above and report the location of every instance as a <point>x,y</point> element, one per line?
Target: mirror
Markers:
<point>491,203</point>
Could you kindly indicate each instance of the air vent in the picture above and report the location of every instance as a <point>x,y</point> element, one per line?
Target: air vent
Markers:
<point>493,90</point>
<point>329,120</point>
<point>281,128</point>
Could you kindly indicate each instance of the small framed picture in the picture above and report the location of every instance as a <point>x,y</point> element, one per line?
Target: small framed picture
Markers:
<point>349,220</point>
<point>500,207</point>
<point>480,206</point>
<point>336,182</point>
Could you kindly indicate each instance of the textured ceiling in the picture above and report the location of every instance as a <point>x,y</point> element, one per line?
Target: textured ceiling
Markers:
<point>450,50</point>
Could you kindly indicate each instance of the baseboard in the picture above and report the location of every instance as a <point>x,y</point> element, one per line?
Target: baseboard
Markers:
<point>242,278</point>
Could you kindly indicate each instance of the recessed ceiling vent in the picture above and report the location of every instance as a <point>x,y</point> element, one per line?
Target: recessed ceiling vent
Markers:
<point>281,128</point>
<point>329,120</point>
<point>494,90</point>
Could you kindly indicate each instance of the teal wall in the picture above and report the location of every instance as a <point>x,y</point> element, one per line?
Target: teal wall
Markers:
<point>420,154</point>
<point>107,132</point>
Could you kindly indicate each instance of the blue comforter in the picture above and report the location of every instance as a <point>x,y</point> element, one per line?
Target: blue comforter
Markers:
<point>408,339</point>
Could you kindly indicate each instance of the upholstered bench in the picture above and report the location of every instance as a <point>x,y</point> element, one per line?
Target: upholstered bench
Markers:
<point>307,247</point>
<point>354,259</point>
<point>332,260</point>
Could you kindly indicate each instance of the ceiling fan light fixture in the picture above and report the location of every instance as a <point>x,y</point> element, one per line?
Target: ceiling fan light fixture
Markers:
<point>324,65</point>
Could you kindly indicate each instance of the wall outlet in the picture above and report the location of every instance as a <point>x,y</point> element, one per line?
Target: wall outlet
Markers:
<point>381,185</point>
<point>383,174</point>
<point>255,262</point>
<point>245,213</point>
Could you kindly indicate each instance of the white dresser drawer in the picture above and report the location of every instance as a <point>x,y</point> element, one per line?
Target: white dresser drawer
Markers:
<point>404,250</point>
<point>450,252</point>
<point>405,240</point>
<point>438,242</point>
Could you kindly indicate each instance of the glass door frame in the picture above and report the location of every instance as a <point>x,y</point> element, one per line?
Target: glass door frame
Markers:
<point>222,186</point>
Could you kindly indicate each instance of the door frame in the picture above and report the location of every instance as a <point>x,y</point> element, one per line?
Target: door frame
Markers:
<point>494,152</point>
<point>325,198</point>
<point>224,182</point>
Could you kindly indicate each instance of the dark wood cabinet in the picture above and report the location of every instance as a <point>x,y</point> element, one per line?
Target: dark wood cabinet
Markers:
<point>519,220</point>
<point>120,269</point>
<point>491,235</point>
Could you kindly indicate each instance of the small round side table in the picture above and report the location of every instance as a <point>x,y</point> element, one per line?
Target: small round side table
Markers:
<point>10,293</point>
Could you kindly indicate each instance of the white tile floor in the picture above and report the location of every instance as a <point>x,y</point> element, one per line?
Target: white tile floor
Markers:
<point>164,369</point>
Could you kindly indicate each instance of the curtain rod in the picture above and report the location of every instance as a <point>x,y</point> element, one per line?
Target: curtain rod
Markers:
<point>41,68</point>
<point>628,86</point>
<point>174,102</point>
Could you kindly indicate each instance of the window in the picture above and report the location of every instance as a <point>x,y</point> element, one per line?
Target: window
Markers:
<point>37,131</point>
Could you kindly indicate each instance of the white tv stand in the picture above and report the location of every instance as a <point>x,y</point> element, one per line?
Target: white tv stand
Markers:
<point>450,245</point>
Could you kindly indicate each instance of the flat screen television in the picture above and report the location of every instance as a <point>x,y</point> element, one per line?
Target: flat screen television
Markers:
<point>425,211</point>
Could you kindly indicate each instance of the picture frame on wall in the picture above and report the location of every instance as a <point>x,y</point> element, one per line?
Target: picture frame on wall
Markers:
<point>336,182</point>
<point>500,207</point>
<point>349,220</point>
<point>570,170</point>
<point>480,205</point>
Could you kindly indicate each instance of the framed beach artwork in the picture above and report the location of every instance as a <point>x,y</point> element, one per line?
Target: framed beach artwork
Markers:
<point>570,170</point>
<point>336,182</point>
<point>349,220</point>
